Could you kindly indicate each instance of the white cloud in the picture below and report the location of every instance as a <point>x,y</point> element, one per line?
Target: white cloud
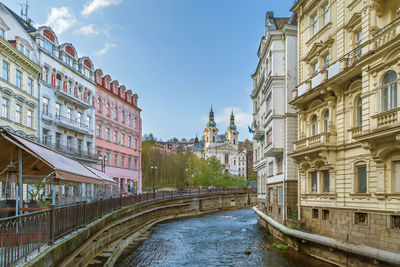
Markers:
<point>222,117</point>
<point>60,19</point>
<point>87,30</point>
<point>93,5</point>
<point>105,49</point>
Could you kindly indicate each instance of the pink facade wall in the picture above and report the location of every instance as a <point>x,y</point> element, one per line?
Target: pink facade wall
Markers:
<point>118,132</point>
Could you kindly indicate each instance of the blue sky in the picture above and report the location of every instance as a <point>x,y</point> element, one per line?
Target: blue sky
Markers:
<point>179,56</point>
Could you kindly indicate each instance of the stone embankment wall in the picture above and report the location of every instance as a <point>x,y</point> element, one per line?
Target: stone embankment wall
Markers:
<point>80,247</point>
<point>328,249</point>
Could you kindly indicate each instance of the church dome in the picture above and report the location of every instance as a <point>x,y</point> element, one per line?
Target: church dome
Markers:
<point>232,127</point>
<point>211,124</point>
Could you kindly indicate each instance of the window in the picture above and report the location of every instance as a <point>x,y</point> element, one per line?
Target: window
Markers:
<point>135,144</point>
<point>361,181</point>
<point>325,215</point>
<point>269,104</point>
<point>396,176</point>
<point>129,141</point>
<point>359,112</point>
<point>135,161</point>
<point>315,213</point>
<point>271,195</point>
<point>314,182</point>
<point>129,163</point>
<point>314,24</point>
<point>98,131</point>
<point>29,118</point>
<point>5,108</point>
<point>326,121</point>
<point>123,117</point>
<point>395,222</point>
<point>48,45</point>
<point>99,105</point>
<point>108,134</point>
<point>46,74</point>
<point>325,14</point>
<point>314,125</point>
<point>69,114</point>
<point>18,113</point>
<point>86,72</point>
<point>361,218</point>
<point>70,87</point>
<point>30,86</point>
<point>58,110</point>
<point>58,140</point>
<point>108,110</point>
<point>315,67</point>
<point>69,60</point>
<point>115,137</point>
<point>123,139</point>
<point>357,43</point>
<point>326,181</point>
<point>79,145</point>
<point>115,160</point>
<point>389,91</point>
<point>270,168</point>
<point>79,118</point>
<point>2,33</point>
<point>21,48</point>
<point>116,113</point>
<point>280,195</point>
<point>326,60</point>
<point>69,143</point>
<point>122,161</point>
<point>45,105</point>
<point>107,158</point>
<point>279,165</point>
<point>129,121</point>
<point>226,159</point>
<point>6,71</point>
<point>18,79</point>
<point>268,137</point>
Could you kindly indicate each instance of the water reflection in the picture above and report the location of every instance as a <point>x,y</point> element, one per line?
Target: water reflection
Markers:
<point>218,239</point>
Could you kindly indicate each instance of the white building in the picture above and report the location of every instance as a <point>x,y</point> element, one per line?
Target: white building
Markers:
<point>66,96</point>
<point>243,164</point>
<point>276,120</point>
<point>227,151</point>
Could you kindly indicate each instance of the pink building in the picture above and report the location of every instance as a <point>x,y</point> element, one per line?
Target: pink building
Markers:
<point>118,133</point>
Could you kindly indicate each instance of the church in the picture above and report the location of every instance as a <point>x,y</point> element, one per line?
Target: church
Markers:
<point>226,149</point>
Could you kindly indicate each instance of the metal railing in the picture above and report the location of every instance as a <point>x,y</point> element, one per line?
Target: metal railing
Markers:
<point>23,234</point>
<point>66,148</point>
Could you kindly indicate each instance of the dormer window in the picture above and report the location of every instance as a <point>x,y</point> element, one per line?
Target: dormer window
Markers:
<point>69,60</point>
<point>48,45</point>
<point>24,50</point>
<point>86,72</point>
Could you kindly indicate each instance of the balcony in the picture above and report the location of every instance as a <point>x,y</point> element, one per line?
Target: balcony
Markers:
<point>356,131</point>
<point>317,141</point>
<point>259,134</point>
<point>271,150</point>
<point>68,149</point>
<point>387,118</point>
<point>386,34</point>
<point>72,97</point>
<point>46,116</point>
<point>72,124</point>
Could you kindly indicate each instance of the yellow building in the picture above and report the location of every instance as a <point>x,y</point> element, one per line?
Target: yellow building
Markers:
<point>348,148</point>
<point>18,78</point>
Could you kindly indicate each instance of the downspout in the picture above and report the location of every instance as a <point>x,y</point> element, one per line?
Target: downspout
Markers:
<point>375,253</point>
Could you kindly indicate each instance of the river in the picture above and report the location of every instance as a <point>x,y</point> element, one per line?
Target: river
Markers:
<point>217,239</point>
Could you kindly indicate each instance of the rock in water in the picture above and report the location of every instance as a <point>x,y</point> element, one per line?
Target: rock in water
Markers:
<point>248,252</point>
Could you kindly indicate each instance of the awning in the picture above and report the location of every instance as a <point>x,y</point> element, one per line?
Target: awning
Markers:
<point>39,161</point>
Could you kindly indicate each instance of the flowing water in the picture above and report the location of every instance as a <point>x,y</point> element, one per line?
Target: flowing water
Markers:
<point>217,239</point>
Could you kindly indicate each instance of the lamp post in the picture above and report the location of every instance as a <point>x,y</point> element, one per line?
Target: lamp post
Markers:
<point>103,162</point>
<point>153,167</point>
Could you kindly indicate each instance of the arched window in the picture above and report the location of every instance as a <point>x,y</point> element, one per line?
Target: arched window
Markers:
<point>234,141</point>
<point>359,112</point>
<point>314,125</point>
<point>58,81</point>
<point>226,159</point>
<point>326,121</point>
<point>389,91</point>
<point>214,139</point>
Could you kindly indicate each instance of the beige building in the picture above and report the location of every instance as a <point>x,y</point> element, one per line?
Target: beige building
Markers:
<point>348,148</point>
<point>19,77</point>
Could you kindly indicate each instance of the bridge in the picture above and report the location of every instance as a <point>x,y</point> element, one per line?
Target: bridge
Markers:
<point>74,235</point>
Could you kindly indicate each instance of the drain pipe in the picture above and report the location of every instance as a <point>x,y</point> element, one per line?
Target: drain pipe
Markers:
<point>379,254</point>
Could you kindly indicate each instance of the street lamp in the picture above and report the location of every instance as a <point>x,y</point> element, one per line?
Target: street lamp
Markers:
<point>153,167</point>
<point>103,162</point>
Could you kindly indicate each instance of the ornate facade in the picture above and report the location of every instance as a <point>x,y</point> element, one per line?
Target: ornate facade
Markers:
<point>227,151</point>
<point>349,120</point>
<point>19,90</point>
<point>275,119</point>
<point>118,133</point>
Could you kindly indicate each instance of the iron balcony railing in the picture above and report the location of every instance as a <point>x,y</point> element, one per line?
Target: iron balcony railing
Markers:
<point>68,148</point>
<point>74,122</point>
<point>24,234</point>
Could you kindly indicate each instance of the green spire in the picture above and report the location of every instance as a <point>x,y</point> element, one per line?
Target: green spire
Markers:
<point>232,126</point>
<point>211,123</point>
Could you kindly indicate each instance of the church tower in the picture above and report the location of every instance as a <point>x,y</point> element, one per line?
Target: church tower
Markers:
<point>232,135</point>
<point>210,132</point>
